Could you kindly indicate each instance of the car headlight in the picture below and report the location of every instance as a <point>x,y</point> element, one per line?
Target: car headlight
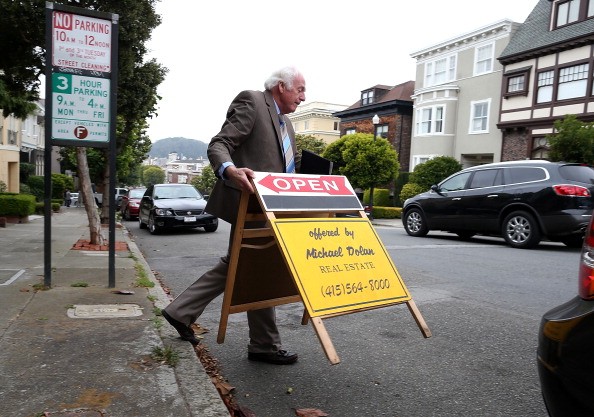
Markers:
<point>163,212</point>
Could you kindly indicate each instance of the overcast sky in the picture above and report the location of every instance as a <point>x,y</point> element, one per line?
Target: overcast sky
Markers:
<point>214,49</point>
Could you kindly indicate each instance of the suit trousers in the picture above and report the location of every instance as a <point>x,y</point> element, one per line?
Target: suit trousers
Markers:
<point>189,305</point>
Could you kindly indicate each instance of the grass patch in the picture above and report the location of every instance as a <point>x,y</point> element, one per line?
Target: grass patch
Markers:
<point>157,322</point>
<point>40,287</point>
<point>79,284</point>
<point>166,355</point>
<point>151,298</point>
<point>142,279</point>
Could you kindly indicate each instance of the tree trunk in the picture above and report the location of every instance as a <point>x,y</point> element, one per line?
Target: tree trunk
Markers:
<point>88,197</point>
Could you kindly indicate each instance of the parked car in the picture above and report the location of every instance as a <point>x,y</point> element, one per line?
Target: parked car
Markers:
<point>119,194</point>
<point>74,200</point>
<point>522,201</point>
<point>169,206</point>
<point>566,345</point>
<point>131,203</point>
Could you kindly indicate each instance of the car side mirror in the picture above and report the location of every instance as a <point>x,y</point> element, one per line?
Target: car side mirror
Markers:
<point>205,196</point>
<point>435,188</point>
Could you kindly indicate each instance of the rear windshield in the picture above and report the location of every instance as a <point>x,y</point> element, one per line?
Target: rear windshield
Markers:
<point>579,173</point>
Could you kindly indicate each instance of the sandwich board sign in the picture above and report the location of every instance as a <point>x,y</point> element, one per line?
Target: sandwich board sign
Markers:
<point>301,252</point>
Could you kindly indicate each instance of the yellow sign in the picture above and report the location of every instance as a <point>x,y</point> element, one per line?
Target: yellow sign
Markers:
<point>339,265</point>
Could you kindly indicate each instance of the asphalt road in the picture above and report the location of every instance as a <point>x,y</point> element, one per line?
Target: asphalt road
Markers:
<point>481,299</point>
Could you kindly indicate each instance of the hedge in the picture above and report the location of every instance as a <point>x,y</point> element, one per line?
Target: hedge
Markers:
<point>20,205</point>
<point>387,212</point>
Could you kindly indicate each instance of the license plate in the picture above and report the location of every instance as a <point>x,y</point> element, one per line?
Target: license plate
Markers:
<point>190,219</point>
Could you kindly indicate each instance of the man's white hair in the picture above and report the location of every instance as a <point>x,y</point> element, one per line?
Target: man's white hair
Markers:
<point>286,75</point>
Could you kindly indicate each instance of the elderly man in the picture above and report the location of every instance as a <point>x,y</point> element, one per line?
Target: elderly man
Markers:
<point>256,136</point>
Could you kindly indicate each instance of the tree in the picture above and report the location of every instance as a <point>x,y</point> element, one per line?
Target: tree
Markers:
<point>334,151</point>
<point>22,61</point>
<point>153,175</point>
<point>573,141</point>
<point>311,143</point>
<point>205,182</point>
<point>434,170</point>
<point>369,161</point>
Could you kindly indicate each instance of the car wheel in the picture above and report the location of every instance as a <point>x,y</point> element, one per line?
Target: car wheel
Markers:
<point>575,241</point>
<point>127,214</point>
<point>211,227</point>
<point>520,230</point>
<point>152,227</point>
<point>414,223</point>
<point>140,223</point>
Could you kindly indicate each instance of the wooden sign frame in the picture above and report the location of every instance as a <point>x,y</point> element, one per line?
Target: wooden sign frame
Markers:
<point>265,280</point>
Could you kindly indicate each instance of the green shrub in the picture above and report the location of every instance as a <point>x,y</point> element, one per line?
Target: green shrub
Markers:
<point>3,186</point>
<point>17,205</point>
<point>387,212</point>
<point>400,181</point>
<point>410,190</point>
<point>381,197</point>
<point>434,170</point>
<point>24,188</point>
<point>36,186</point>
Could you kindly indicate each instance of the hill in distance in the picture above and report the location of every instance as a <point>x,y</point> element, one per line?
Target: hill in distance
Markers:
<point>189,148</point>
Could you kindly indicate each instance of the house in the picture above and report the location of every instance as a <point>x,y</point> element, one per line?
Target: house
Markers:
<point>547,74</point>
<point>317,119</point>
<point>457,97</point>
<point>394,106</point>
<point>21,141</point>
<point>181,170</point>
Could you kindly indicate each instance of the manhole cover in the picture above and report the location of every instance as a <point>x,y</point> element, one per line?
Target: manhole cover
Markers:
<point>97,311</point>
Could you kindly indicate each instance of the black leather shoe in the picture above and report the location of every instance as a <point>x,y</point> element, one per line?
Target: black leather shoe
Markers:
<point>280,357</point>
<point>185,332</point>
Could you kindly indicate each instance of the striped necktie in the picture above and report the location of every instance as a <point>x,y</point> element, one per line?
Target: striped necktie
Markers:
<point>287,149</point>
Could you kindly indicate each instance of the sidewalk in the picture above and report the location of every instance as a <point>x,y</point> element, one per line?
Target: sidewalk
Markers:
<point>58,359</point>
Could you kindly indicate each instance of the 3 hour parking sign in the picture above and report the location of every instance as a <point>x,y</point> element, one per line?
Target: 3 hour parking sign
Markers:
<point>80,107</point>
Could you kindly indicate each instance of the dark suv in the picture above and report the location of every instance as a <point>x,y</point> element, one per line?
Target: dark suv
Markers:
<point>523,201</point>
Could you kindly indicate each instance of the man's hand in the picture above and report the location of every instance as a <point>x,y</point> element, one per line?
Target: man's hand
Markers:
<point>241,177</point>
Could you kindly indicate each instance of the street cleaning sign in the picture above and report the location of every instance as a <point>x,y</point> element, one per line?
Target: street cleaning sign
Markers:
<point>83,44</point>
<point>339,264</point>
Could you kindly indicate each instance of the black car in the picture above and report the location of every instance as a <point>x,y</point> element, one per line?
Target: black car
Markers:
<point>169,206</point>
<point>523,201</point>
<point>565,355</point>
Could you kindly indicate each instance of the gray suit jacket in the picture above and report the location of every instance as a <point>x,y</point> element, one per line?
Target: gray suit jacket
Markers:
<point>251,138</point>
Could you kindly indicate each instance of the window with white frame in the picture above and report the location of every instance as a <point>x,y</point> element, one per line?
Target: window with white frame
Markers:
<point>479,122</point>
<point>483,59</point>
<point>545,86</point>
<point>429,120</point>
<point>350,131</point>
<point>419,159</point>
<point>440,71</point>
<point>572,82</point>
<point>306,125</point>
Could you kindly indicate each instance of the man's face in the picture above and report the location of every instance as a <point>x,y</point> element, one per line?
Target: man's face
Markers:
<point>290,98</point>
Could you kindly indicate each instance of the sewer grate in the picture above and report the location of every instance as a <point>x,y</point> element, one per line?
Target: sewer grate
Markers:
<point>7,276</point>
<point>99,311</point>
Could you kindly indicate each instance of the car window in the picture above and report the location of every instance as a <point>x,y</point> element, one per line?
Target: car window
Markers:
<point>136,193</point>
<point>579,173</point>
<point>524,174</point>
<point>486,178</point>
<point>455,183</point>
